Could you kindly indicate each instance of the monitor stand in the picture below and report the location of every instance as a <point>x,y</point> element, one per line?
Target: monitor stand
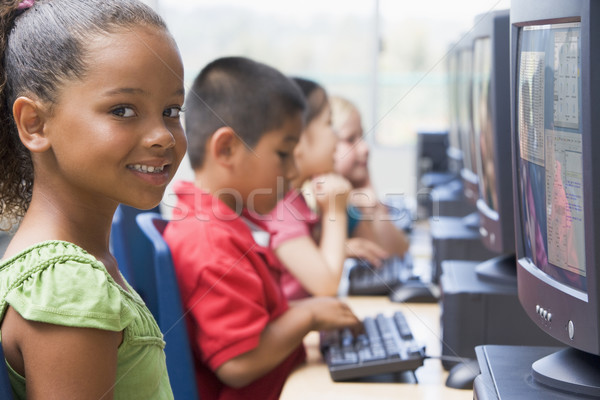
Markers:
<point>501,269</point>
<point>506,373</point>
<point>471,220</point>
<point>452,239</point>
<point>436,178</point>
<point>570,370</point>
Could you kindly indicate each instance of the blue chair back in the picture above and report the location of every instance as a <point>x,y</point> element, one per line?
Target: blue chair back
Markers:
<point>132,251</point>
<point>169,311</point>
<point>5,388</point>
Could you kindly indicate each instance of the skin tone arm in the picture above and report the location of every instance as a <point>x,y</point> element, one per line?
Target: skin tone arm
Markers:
<point>284,335</point>
<point>77,363</point>
<point>364,249</point>
<point>376,225</point>
<point>319,267</point>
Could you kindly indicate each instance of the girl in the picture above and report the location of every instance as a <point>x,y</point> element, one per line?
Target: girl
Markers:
<point>82,131</point>
<point>310,241</point>
<point>351,161</point>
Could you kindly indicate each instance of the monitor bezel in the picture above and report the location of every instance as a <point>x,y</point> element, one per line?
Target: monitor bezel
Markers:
<point>453,152</point>
<point>497,226</point>
<point>569,310</point>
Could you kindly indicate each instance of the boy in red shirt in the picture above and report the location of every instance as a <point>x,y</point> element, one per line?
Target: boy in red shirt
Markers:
<point>243,120</point>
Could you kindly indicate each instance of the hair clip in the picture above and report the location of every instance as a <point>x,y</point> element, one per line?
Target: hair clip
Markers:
<point>25,4</point>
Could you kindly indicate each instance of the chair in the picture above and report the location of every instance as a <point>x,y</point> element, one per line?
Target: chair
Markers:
<point>131,248</point>
<point>167,310</point>
<point>5,387</point>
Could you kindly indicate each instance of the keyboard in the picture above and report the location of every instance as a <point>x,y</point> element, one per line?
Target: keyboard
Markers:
<point>367,280</point>
<point>386,346</point>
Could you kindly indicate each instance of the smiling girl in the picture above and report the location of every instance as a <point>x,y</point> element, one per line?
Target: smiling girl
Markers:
<point>82,132</point>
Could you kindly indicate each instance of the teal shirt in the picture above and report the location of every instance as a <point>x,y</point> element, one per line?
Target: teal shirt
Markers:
<point>60,283</point>
<point>354,218</point>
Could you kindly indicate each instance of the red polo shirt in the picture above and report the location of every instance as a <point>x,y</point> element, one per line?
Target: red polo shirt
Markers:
<point>230,285</point>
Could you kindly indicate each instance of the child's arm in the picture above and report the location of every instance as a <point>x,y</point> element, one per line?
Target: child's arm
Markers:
<point>61,362</point>
<point>284,335</point>
<point>375,223</point>
<point>318,267</point>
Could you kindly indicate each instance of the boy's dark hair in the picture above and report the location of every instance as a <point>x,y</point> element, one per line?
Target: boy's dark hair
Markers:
<point>250,97</point>
<point>41,49</point>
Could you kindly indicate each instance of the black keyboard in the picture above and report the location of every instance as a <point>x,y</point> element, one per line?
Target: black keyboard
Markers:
<point>367,280</point>
<point>386,346</point>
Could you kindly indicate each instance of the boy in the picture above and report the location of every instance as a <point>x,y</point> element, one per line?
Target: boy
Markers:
<point>243,121</point>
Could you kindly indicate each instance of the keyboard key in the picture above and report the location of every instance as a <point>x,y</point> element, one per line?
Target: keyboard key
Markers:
<point>403,327</point>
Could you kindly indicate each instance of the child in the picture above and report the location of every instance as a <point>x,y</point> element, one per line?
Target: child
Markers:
<point>243,121</point>
<point>351,161</point>
<point>82,131</point>
<point>310,241</point>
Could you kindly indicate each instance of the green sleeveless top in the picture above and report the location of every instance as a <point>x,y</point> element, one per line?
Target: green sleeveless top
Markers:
<point>60,283</point>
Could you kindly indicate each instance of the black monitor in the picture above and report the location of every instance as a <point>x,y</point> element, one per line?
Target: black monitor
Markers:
<point>555,62</point>
<point>454,147</point>
<point>491,128</point>
<point>465,122</point>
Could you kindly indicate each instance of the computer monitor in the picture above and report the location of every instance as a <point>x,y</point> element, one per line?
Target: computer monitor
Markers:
<point>455,158</point>
<point>465,123</point>
<point>556,162</point>
<point>491,128</point>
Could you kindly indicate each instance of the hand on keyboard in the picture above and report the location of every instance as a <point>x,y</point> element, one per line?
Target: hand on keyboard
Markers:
<point>387,345</point>
<point>329,313</point>
<point>366,250</point>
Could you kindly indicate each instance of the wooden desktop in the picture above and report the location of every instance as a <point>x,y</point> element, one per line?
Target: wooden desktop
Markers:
<point>312,380</point>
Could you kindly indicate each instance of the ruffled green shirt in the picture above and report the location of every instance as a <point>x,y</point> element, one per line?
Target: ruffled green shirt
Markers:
<point>60,283</point>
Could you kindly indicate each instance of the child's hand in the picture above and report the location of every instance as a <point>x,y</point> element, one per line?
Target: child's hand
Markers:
<point>366,250</point>
<point>329,313</point>
<point>331,191</point>
<point>364,197</point>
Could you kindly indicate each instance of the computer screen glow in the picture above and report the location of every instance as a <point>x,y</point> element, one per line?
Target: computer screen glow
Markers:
<point>483,127</point>
<point>549,109</point>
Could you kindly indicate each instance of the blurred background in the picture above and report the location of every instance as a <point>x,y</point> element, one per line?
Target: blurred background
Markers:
<point>387,56</point>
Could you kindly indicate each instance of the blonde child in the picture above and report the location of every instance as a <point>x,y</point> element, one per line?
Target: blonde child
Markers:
<point>81,132</point>
<point>351,161</point>
<point>310,225</point>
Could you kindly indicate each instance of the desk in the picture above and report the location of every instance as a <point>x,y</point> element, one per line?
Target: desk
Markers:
<point>312,380</point>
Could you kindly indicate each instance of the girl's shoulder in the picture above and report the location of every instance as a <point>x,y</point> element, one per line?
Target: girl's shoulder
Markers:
<point>59,282</point>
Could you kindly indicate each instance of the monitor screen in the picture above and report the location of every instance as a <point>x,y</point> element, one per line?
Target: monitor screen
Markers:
<point>469,170</point>
<point>550,151</point>
<point>482,121</point>
<point>453,136</point>
<point>464,102</point>
<point>454,152</point>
